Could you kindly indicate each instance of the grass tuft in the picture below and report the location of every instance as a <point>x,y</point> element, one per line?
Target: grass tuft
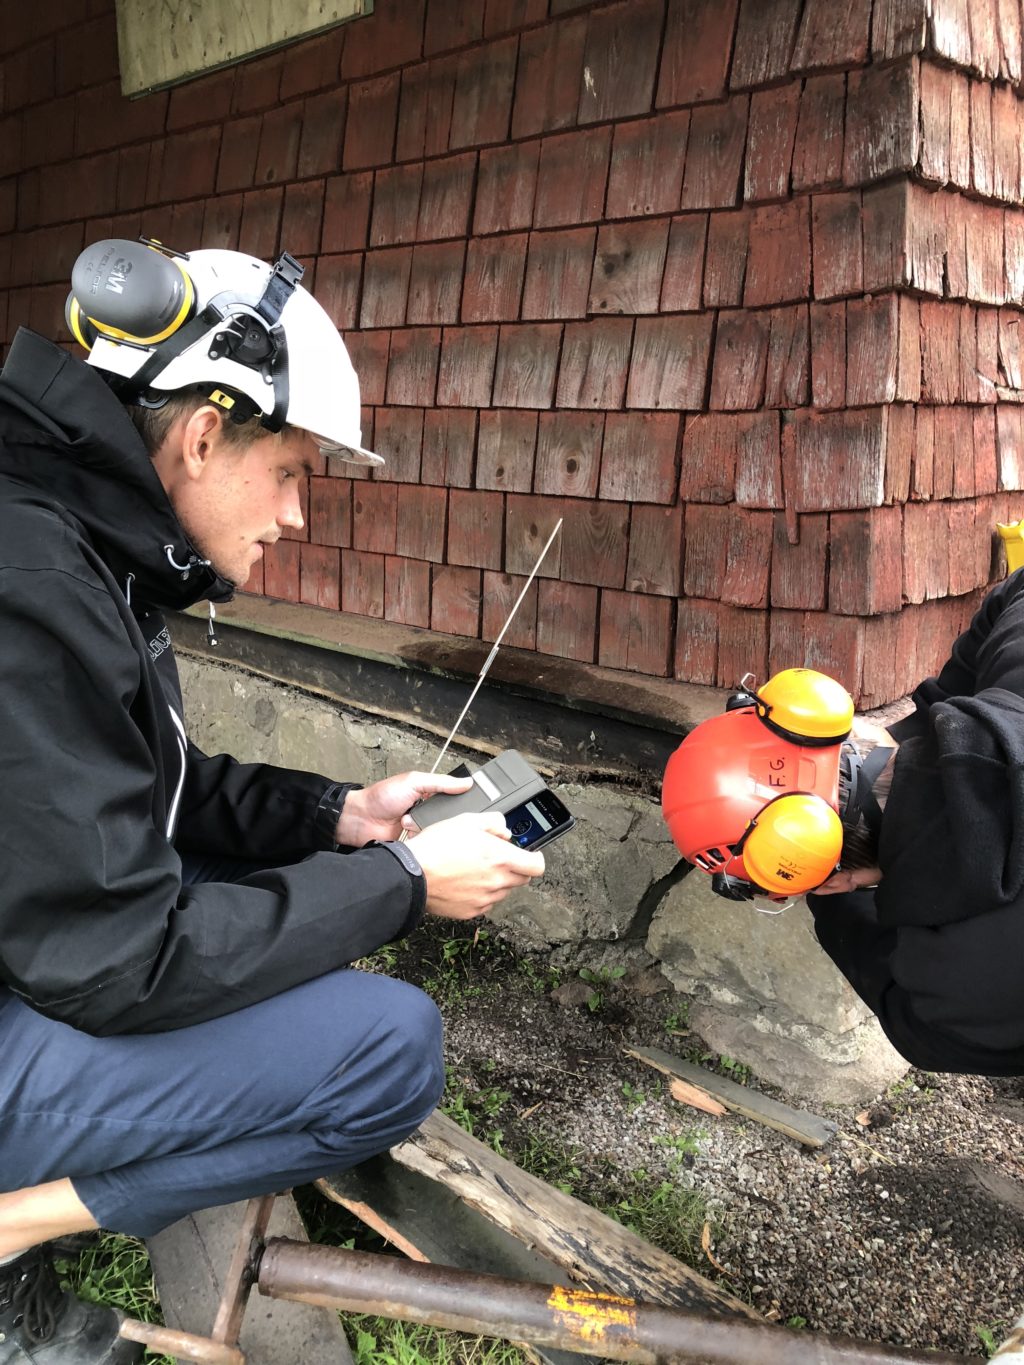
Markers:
<point>115,1270</point>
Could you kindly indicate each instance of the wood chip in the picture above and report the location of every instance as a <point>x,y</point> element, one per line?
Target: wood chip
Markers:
<point>705,1242</point>
<point>692,1095</point>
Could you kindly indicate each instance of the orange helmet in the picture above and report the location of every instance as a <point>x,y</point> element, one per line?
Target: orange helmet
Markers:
<point>753,796</point>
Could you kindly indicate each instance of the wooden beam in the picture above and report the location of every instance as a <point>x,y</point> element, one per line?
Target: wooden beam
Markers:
<point>586,1246</point>
<point>429,1223</point>
<point>795,1123</point>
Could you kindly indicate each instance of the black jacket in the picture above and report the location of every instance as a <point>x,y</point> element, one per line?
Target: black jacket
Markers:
<point>100,788</point>
<point>937,950</point>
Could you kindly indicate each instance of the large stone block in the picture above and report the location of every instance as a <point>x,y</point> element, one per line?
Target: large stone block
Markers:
<point>597,876</point>
<point>823,1067</point>
<point>767,994</point>
<point>260,722</point>
<point>732,953</point>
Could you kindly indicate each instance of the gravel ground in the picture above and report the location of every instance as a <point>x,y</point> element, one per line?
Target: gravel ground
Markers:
<point>906,1228</point>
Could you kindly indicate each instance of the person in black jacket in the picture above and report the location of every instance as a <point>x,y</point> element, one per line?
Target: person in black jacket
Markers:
<point>932,937</point>
<point>180,1022</point>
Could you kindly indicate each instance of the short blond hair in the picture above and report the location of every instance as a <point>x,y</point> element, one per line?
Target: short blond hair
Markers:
<point>154,424</point>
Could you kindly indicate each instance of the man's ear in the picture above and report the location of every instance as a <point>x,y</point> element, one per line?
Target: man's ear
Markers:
<point>200,438</point>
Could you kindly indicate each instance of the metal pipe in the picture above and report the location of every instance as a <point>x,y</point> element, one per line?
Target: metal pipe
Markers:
<point>184,1345</point>
<point>562,1318</point>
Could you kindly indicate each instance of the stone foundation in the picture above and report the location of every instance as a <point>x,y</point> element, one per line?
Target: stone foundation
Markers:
<point>615,890</point>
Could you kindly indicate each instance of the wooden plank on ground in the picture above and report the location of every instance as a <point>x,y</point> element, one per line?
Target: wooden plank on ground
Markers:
<point>585,1245</point>
<point>807,1128</point>
<point>190,1260</point>
<point>430,1223</point>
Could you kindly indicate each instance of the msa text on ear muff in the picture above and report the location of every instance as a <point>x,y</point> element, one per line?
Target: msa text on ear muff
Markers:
<point>752,796</point>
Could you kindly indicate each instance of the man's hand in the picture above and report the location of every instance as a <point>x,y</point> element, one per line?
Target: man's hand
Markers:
<point>854,880</point>
<point>469,864</point>
<point>376,812</point>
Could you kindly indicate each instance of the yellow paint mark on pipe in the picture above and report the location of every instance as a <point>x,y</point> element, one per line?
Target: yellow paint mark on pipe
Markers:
<point>589,1316</point>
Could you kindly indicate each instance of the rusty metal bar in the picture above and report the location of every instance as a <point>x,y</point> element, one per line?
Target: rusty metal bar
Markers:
<point>184,1345</point>
<point>241,1274</point>
<point>221,1346</point>
<point>566,1319</point>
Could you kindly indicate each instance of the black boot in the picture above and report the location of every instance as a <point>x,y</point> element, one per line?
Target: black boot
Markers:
<point>42,1324</point>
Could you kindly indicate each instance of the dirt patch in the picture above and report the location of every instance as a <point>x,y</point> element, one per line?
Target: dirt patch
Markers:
<point>907,1228</point>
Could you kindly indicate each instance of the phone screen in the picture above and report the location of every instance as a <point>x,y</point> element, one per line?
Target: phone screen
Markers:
<point>539,820</point>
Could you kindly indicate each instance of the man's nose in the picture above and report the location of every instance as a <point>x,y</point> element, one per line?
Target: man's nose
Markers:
<point>291,513</point>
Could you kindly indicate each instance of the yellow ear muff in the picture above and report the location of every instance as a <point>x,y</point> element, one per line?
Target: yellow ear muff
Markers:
<point>130,292</point>
<point>794,844</point>
<point>806,706</point>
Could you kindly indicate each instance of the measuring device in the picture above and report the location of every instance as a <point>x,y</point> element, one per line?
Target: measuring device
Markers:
<point>534,814</point>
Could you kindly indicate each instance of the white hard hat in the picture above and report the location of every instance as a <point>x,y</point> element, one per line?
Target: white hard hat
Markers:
<point>160,322</point>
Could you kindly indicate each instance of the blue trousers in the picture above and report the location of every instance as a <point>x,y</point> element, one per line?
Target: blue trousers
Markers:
<point>151,1127</point>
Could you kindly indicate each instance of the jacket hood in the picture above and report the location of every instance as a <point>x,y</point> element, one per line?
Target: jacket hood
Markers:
<point>65,434</point>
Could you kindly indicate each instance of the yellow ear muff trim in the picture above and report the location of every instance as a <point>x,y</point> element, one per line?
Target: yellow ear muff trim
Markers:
<point>794,844</point>
<point>116,334</point>
<point>74,316</point>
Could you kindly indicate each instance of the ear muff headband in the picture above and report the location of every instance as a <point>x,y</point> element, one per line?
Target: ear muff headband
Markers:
<point>793,844</point>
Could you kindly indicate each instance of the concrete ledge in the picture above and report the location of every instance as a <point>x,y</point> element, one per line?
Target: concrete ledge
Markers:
<point>569,714</point>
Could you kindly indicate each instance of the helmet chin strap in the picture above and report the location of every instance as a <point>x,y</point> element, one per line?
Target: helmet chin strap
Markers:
<point>256,340</point>
<point>859,777</point>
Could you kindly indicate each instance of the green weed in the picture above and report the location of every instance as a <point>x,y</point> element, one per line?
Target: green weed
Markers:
<point>738,1071</point>
<point>662,1212</point>
<point>383,961</point>
<point>633,1096</point>
<point>380,1341</point>
<point>475,1109</point>
<point>680,1145</point>
<point>600,978</point>
<point>728,1066</point>
<point>115,1270</point>
<point>541,978</point>
<point>559,1166</point>
<point>454,975</point>
<point>987,1337</point>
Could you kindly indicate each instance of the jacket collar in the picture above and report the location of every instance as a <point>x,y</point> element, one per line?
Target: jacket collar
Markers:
<point>64,432</point>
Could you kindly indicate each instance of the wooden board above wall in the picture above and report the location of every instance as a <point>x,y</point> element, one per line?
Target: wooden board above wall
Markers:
<point>160,45</point>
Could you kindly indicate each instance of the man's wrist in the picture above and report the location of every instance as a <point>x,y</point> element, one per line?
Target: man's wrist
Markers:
<point>404,855</point>
<point>329,810</point>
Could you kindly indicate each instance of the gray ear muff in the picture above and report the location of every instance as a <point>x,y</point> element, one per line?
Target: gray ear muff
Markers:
<point>129,292</point>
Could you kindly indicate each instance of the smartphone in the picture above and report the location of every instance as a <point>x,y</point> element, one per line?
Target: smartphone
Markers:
<point>537,821</point>
<point>507,784</point>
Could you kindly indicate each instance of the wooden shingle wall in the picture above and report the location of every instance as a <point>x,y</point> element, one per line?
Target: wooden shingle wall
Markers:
<point>733,286</point>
